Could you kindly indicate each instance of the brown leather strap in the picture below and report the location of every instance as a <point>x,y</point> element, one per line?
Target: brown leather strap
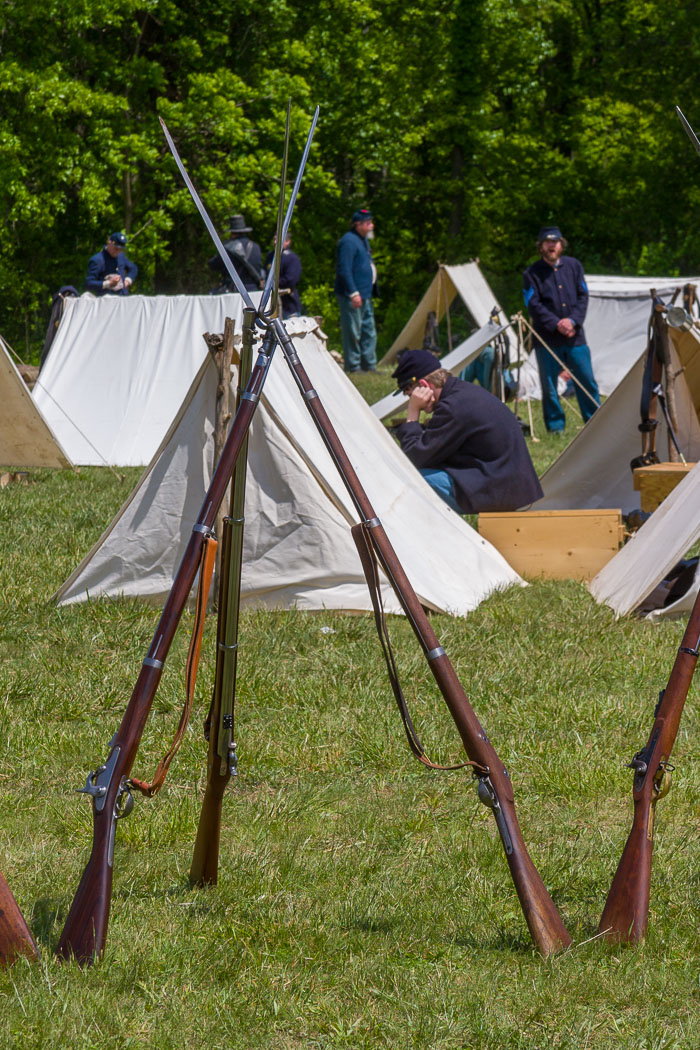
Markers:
<point>206,571</point>
<point>361,534</point>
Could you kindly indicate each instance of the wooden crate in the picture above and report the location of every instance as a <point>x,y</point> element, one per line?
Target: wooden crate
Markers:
<point>656,481</point>
<point>559,544</point>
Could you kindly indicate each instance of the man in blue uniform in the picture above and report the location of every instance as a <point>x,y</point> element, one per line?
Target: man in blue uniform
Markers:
<point>355,283</point>
<point>557,297</point>
<point>472,451</point>
<point>290,275</point>
<point>109,271</point>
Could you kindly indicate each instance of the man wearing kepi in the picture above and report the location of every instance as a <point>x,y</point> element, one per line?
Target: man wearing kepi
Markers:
<point>557,297</point>
<point>355,283</point>
<point>472,451</point>
<point>109,271</point>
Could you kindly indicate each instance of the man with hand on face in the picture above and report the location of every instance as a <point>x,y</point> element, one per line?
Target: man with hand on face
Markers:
<point>109,271</point>
<point>556,295</point>
<point>472,451</point>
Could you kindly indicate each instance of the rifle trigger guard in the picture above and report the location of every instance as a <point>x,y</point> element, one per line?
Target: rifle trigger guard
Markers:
<point>662,780</point>
<point>123,806</point>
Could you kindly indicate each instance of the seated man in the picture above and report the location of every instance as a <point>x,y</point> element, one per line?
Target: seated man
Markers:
<point>472,452</point>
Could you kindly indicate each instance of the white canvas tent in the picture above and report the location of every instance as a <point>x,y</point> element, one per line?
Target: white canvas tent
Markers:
<point>616,322</point>
<point>673,528</point>
<point>26,439</point>
<point>646,559</point>
<point>465,281</point>
<point>120,367</point>
<point>298,550</point>
<point>594,470</point>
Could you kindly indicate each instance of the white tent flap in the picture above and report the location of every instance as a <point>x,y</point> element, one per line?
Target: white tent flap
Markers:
<point>297,549</point>
<point>120,367</point>
<point>26,439</point>
<point>594,470</point>
<point>646,559</point>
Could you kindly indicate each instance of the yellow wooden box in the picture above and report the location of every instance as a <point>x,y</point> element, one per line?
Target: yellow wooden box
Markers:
<point>653,483</point>
<point>559,544</point>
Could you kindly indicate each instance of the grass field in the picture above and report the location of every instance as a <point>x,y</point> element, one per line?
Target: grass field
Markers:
<point>363,901</point>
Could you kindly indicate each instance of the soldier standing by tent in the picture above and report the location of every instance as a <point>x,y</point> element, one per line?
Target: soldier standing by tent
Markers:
<point>557,297</point>
<point>355,284</point>
<point>472,452</point>
<point>109,271</point>
<point>245,255</point>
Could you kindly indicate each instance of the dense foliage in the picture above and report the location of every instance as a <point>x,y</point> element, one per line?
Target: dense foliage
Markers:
<point>464,124</point>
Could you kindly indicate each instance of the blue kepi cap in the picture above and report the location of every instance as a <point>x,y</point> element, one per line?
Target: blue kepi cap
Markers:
<point>549,233</point>
<point>414,365</point>
<point>118,238</point>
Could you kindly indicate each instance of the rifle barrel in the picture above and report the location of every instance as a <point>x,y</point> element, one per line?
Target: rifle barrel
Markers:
<point>205,860</point>
<point>626,910</point>
<point>543,919</point>
<point>84,934</point>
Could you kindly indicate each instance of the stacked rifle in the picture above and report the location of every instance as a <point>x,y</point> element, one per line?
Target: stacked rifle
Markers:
<point>111,786</point>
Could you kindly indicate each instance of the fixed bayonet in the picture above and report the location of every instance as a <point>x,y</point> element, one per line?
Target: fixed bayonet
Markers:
<point>290,207</point>
<point>223,254</point>
<point>688,130</point>
<point>273,277</point>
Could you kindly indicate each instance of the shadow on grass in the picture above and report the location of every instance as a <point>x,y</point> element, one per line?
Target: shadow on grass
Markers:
<point>47,911</point>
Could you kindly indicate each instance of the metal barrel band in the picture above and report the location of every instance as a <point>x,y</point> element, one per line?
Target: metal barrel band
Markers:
<point>436,653</point>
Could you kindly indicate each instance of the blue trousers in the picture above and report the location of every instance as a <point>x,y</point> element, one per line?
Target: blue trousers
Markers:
<point>441,482</point>
<point>577,360</point>
<point>481,369</point>
<point>359,335</point>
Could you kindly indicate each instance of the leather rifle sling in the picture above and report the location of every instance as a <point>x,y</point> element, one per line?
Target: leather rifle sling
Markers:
<point>370,567</point>
<point>206,571</point>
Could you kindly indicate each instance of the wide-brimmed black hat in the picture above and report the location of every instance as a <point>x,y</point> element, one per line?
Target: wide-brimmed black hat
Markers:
<point>414,365</point>
<point>236,224</point>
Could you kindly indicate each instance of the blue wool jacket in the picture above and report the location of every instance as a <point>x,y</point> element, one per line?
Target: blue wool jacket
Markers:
<point>353,271</point>
<point>553,292</point>
<point>102,264</point>
<point>478,441</point>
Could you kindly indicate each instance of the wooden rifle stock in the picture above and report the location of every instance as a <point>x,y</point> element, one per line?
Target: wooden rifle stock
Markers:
<point>626,910</point>
<point>15,936</point>
<point>221,755</point>
<point>495,789</point>
<point>85,931</point>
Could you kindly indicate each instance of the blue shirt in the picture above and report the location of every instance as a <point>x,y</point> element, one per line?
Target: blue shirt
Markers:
<point>554,292</point>
<point>353,271</point>
<point>101,265</point>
